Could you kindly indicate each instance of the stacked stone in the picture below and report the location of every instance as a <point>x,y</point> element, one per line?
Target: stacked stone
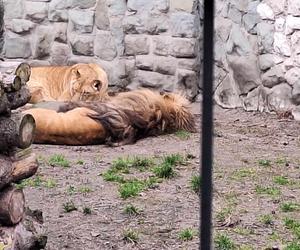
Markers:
<point>138,42</point>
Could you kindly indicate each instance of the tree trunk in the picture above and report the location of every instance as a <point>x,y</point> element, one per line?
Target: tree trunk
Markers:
<point>15,171</point>
<point>19,98</point>
<point>16,131</point>
<point>12,206</point>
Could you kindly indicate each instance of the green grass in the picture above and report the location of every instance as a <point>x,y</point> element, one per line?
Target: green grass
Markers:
<point>281,180</point>
<point>267,190</point>
<point>174,159</point>
<point>131,188</point>
<point>131,210</point>
<point>293,225</point>
<point>182,134</point>
<point>164,170</point>
<point>50,183</point>
<point>243,173</point>
<point>87,210</point>
<point>186,234</point>
<point>69,206</point>
<point>196,183</point>
<point>223,242</point>
<point>85,189</point>
<point>292,246</point>
<point>264,162</point>
<point>267,219</point>
<point>111,175</point>
<point>36,181</point>
<point>71,190</point>
<point>130,236</point>
<point>59,160</point>
<point>223,214</point>
<point>80,162</point>
<point>289,207</point>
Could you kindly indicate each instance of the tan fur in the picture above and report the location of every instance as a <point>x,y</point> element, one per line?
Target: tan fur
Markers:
<point>85,82</point>
<point>122,119</point>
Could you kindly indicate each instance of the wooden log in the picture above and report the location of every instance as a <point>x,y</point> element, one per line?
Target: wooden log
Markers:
<point>19,98</point>
<point>15,171</point>
<point>24,72</point>
<point>4,104</point>
<point>11,83</point>
<point>12,206</point>
<point>16,131</point>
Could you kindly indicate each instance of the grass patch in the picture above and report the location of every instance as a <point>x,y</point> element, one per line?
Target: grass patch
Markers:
<point>58,160</point>
<point>267,190</point>
<point>292,246</point>
<point>131,188</point>
<point>80,162</point>
<point>87,210</point>
<point>36,181</point>
<point>130,236</point>
<point>164,170</point>
<point>289,207</point>
<point>266,219</point>
<point>281,180</point>
<point>131,210</point>
<point>264,162</point>
<point>223,242</point>
<point>223,214</point>
<point>85,189</point>
<point>111,175</point>
<point>71,190</point>
<point>243,173</point>
<point>50,183</point>
<point>182,134</point>
<point>293,225</point>
<point>69,206</point>
<point>186,234</point>
<point>196,183</point>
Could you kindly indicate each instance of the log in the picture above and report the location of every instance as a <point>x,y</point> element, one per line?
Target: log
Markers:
<point>16,131</point>
<point>19,98</point>
<point>4,104</point>
<point>29,234</point>
<point>24,72</point>
<point>15,171</point>
<point>11,83</point>
<point>12,206</point>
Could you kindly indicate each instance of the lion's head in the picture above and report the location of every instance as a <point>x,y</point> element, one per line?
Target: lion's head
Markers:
<point>88,82</point>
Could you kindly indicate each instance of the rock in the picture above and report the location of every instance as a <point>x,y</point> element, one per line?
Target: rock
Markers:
<point>59,54</point>
<point>161,5</point>
<point>16,47</point>
<point>139,5</point>
<point>37,12</point>
<point>161,45</point>
<point>273,76</point>
<point>223,28</point>
<point>256,100</point>
<point>234,14</point>
<point>20,26</point>
<point>279,24</point>
<point>117,7</point>
<point>265,32</point>
<point>219,76</point>
<point>145,62</point>
<point>104,46</point>
<point>281,44</point>
<point>165,65</point>
<point>292,23</point>
<point>296,60</point>
<point>182,24</point>
<point>136,45</point>
<point>245,72</point>
<point>118,33</point>
<point>295,40</point>
<point>266,61</point>
<point>181,5</point>
<point>183,47</point>
<point>296,93</point>
<point>279,98</point>
<point>187,81</point>
<point>190,64</point>
<point>43,40</point>
<point>292,76</point>
<point>252,7</point>
<point>83,4</point>
<point>296,112</point>
<point>83,45</point>
<point>60,32</point>
<point>288,64</point>
<point>277,6</point>
<point>293,7</point>
<point>154,80</point>
<point>13,9</point>
<point>101,15</point>
<point>265,11</point>
<point>250,20</point>
<point>58,10</point>
<point>82,20</point>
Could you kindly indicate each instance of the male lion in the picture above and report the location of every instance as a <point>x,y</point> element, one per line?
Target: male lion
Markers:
<point>122,119</point>
<point>84,82</point>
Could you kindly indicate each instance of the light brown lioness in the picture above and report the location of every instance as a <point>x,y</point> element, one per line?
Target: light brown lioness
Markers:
<point>85,82</point>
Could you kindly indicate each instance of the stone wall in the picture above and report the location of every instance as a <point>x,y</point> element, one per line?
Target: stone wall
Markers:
<point>257,50</point>
<point>138,42</point>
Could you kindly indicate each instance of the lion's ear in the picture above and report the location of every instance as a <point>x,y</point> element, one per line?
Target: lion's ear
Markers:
<point>76,73</point>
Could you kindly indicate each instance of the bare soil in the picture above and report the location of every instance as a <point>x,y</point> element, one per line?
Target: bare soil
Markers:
<point>256,171</point>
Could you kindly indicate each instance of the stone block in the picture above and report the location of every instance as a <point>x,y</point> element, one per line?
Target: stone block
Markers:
<point>13,9</point>
<point>150,79</point>
<point>44,38</point>
<point>293,7</point>
<point>292,24</point>
<point>295,40</point>
<point>181,5</point>
<point>234,14</point>
<point>145,62</point>
<point>16,47</point>
<point>162,45</point>
<point>183,24</point>
<point>165,65</point>
<point>265,32</point>
<point>104,46</point>
<point>60,53</point>
<point>37,12</point>
<point>82,45</point>
<point>190,64</point>
<point>83,4</point>
<point>183,47</point>
<point>136,45</point>
<point>281,44</point>
<point>117,7</point>
<point>187,80</point>
<point>265,11</point>
<point>19,26</point>
<point>273,76</point>
<point>292,76</point>
<point>266,61</point>
<point>82,20</point>
<point>101,15</point>
<point>58,10</point>
<point>60,32</point>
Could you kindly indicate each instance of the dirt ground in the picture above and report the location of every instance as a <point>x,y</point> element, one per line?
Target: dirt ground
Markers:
<point>256,190</point>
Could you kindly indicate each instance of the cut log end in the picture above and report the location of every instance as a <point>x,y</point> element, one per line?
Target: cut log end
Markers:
<point>26,131</point>
<point>24,72</point>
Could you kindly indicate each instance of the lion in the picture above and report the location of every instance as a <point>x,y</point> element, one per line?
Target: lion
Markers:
<point>122,119</point>
<point>84,82</point>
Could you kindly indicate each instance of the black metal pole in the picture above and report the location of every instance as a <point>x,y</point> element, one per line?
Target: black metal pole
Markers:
<point>207,127</point>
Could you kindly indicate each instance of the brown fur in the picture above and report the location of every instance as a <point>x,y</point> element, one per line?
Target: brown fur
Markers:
<point>122,119</point>
<point>85,82</point>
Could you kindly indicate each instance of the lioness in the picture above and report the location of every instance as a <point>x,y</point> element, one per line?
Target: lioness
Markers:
<point>84,82</point>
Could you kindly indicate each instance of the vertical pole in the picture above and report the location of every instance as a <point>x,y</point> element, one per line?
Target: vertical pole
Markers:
<point>207,127</point>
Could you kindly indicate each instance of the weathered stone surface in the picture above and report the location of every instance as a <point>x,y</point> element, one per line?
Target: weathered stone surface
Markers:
<point>265,31</point>
<point>295,40</point>
<point>20,26</point>
<point>296,93</point>
<point>250,20</point>
<point>136,45</point>
<point>60,30</point>
<point>183,47</point>
<point>182,5</point>
<point>296,112</point>
<point>145,62</point>
<point>82,20</point>
<point>83,4</point>
<point>58,10</point>
<point>161,5</point>
<point>83,45</point>
<point>292,76</point>
<point>118,33</point>
<point>266,61</point>
<point>152,79</point>
<point>219,76</point>
<point>183,24</point>
<point>292,23</point>
<point>13,9</point>
<point>294,7</point>
<point>101,15</point>
<point>60,53</point>
<point>245,72</point>
<point>256,100</point>
<point>279,24</point>
<point>165,65</point>
<point>223,28</point>
<point>265,11</point>
<point>187,80</point>
<point>104,46</point>
<point>279,98</point>
<point>138,5</point>
<point>43,39</point>
<point>277,6</point>
<point>281,44</point>
<point>241,5</point>
<point>17,47</point>
<point>234,14</point>
<point>162,45</point>
<point>190,64</point>
<point>273,76</point>
<point>116,7</point>
<point>37,11</point>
